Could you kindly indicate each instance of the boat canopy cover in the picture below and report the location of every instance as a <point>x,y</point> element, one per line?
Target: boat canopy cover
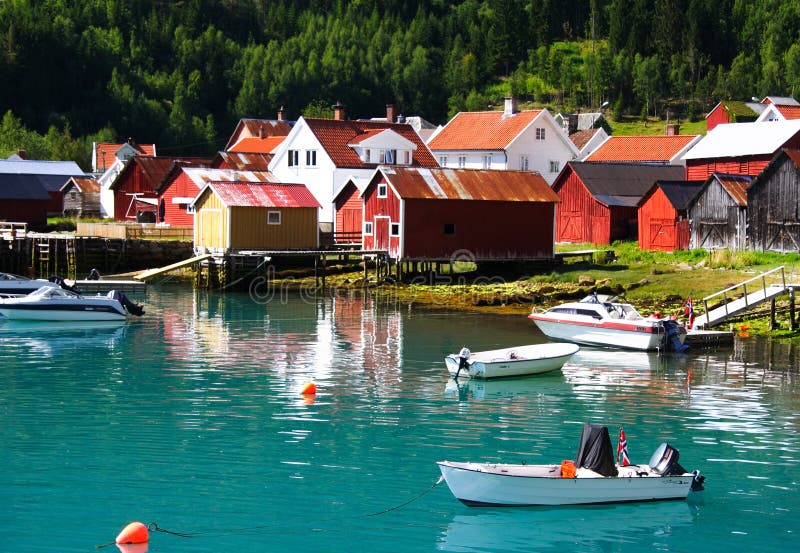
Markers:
<point>595,451</point>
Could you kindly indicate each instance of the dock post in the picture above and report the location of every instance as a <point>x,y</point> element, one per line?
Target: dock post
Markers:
<point>772,314</point>
<point>324,270</point>
<point>316,271</point>
<point>791,309</point>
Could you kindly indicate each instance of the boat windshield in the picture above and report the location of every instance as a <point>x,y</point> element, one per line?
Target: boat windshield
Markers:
<point>52,292</point>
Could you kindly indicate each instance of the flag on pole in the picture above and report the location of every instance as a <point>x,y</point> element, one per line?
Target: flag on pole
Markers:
<point>622,449</point>
<point>688,310</point>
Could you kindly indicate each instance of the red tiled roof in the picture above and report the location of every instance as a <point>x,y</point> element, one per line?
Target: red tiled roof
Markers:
<point>789,112</point>
<point>653,148</point>
<point>334,135</point>
<point>470,184</point>
<point>106,152</point>
<point>581,138</point>
<point>257,194</point>
<point>482,130</point>
<point>255,145</point>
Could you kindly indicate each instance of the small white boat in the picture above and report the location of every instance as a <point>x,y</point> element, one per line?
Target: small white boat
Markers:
<point>12,286</point>
<point>592,479</point>
<point>58,304</point>
<point>599,320</point>
<point>516,361</point>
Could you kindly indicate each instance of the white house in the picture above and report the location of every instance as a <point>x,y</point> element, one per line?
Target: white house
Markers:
<point>324,154</point>
<point>528,140</point>
<point>108,160</point>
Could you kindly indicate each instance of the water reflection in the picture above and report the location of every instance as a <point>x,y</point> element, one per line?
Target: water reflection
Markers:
<point>49,339</point>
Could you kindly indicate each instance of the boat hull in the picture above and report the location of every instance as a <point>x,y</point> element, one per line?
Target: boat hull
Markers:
<point>63,311</point>
<point>528,360</point>
<point>636,337</point>
<point>481,484</point>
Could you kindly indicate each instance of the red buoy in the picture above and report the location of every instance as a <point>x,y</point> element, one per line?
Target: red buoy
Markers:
<point>135,532</point>
<point>309,388</point>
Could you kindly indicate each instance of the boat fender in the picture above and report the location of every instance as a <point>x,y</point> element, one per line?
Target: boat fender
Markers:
<point>568,469</point>
<point>135,532</point>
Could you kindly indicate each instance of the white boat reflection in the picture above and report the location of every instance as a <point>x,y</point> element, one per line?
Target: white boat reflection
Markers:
<point>48,337</point>
<point>492,389</point>
<point>591,528</point>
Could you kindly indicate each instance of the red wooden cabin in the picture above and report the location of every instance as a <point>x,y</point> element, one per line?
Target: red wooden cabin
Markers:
<point>444,214</point>
<point>349,214</point>
<point>663,217</point>
<point>599,200</point>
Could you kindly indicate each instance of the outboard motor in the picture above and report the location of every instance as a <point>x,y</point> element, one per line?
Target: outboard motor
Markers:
<point>665,461</point>
<point>697,481</point>
<point>129,306</point>
<point>673,341</point>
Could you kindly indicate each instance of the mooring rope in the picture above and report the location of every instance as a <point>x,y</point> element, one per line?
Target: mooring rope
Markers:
<point>154,527</point>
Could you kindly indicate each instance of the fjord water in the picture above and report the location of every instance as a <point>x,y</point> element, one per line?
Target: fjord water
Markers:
<point>191,418</point>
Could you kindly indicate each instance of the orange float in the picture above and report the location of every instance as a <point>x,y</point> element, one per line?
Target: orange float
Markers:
<point>135,532</point>
<point>309,389</point>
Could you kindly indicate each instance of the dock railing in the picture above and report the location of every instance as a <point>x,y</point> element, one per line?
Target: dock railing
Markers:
<point>777,275</point>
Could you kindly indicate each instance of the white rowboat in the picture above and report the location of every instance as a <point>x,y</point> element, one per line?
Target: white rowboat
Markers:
<point>516,361</point>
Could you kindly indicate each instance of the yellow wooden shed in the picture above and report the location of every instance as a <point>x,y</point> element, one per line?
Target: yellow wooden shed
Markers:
<point>235,216</point>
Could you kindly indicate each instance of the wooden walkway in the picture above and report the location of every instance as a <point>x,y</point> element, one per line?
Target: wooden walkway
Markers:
<point>143,276</point>
<point>743,297</point>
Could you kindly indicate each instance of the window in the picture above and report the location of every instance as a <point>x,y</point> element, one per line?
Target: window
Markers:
<point>523,163</point>
<point>293,157</point>
<point>368,228</point>
<point>487,162</point>
<point>443,161</point>
<point>449,228</point>
<point>554,166</point>
<point>462,162</point>
<point>391,156</point>
<point>189,208</point>
<point>394,229</point>
<point>539,133</point>
<point>382,190</point>
<point>311,158</point>
<point>366,155</point>
<point>273,217</point>
<point>381,156</point>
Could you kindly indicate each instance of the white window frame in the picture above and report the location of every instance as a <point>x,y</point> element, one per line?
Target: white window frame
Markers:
<point>271,217</point>
<point>381,157</point>
<point>293,158</point>
<point>394,230</point>
<point>406,157</point>
<point>555,166</point>
<point>462,162</point>
<point>383,190</point>
<point>487,162</point>
<point>391,157</point>
<point>524,163</point>
<point>368,228</point>
<point>311,158</point>
<point>367,153</point>
<point>443,161</point>
<point>540,133</point>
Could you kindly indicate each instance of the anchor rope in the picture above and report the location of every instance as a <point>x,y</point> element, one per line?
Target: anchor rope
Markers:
<point>154,527</point>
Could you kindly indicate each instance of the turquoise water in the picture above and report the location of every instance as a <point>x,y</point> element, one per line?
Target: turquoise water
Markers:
<point>191,418</point>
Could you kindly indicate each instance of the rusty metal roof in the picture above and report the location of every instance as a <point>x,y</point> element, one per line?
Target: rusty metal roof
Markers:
<point>243,161</point>
<point>203,175</point>
<point>261,194</point>
<point>468,184</point>
<point>735,185</point>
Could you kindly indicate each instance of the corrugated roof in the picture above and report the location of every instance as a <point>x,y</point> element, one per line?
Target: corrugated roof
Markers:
<point>735,185</point>
<point>39,167</point>
<point>469,184</point>
<point>621,183</point>
<point>204,175</point>
<point>482,130</point>
<point>254,144</point>
<point>88,185</point>
<point>106,152</point>
<point>243,161</point>
<point>334,135</point>
<point>252,194</point>
<point>653,148</point>
<point>15,186</point>
<point>744,139</point>
<point>153,169</point>
<point>789,112</point>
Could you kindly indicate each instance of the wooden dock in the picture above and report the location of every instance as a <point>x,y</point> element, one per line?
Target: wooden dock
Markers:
<point>143,276</point>
<point>105,286</point>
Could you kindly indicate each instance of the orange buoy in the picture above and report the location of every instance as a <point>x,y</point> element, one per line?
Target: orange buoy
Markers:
<point>309,388</point>
<point>135,532</point>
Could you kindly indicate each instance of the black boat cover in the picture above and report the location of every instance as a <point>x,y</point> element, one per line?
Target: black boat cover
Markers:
<point>595,451</point>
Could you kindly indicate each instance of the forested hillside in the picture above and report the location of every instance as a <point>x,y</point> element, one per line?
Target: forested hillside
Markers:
<point>180,73</point>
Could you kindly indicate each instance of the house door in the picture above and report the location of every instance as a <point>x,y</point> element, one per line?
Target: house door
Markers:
<point>210,231</point>
<point>381,233</point>
<point>662,234</point>
<point>351,225</point>
<point>570,227</point>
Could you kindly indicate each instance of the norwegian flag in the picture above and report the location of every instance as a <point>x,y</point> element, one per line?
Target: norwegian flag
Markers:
<point>688,310</point>
<point>622,449</point>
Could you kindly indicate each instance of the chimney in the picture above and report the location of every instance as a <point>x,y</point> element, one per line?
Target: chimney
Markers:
<point>338,111</point>
<point>281,114</point>
<point>673,129</point>
<point>22,153</point>
<point>510,107</point>
<point>390,113</point>
<point>261,130</point>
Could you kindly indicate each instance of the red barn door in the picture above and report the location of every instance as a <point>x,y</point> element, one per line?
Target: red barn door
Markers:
<point>381,240</point>
<point>570,227</point>
<point>662,234</point>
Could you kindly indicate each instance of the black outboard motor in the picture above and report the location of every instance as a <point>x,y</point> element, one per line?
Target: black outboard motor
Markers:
<point>129,306</point>
<point>665,462</point>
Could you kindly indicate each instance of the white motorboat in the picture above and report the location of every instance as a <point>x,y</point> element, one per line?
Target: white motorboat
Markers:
<point>599,320</point>
<point>58,304</point>
<point>592,479</point>
<point>15,285</point>
<point>516,361</point>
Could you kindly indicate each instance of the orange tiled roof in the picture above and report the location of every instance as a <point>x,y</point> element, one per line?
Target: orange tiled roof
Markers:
<point>106,152</point>
<point>482,130</point>
<point>789,112</point>
<point>581,138</point>
<point>255,145</point>
<point>653,148</point>
<point>334,135</point>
